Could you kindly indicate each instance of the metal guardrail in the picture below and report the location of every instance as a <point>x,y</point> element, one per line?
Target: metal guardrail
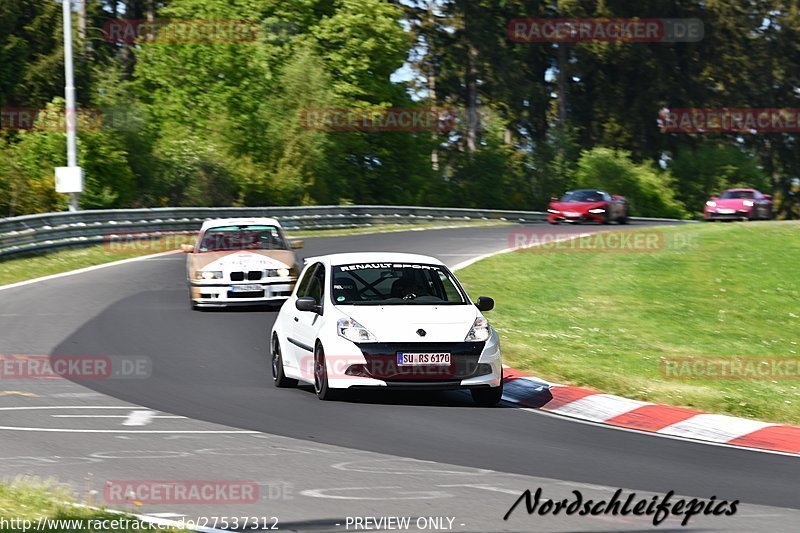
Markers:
<point>32,234</point>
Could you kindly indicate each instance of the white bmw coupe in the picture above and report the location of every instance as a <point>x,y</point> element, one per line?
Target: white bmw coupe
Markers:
<point>400,321</point>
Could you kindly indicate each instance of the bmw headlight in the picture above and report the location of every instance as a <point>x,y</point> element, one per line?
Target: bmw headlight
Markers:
<point>554,211</point>
<point>597,211</point>
<point>711,204</point>
<point>479,330</point>
<point>748,203</point>
<point>353,331</point>
<point>277,273</point>
<point>208,274</point>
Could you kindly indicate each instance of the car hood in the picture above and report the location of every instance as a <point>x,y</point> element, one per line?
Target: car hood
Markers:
<point>239,260</point>
<point>732,203</point>
<point>399,323</point>
<point>578,207</point>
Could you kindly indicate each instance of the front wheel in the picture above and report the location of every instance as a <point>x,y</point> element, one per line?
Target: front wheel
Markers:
<point>278,377</point>
<point>487,397</point>
<point>324,392</point>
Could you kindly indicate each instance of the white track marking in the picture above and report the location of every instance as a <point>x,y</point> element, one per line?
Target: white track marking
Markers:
<point>140,417</point>
<point>118,431</point>
<point>468,262</point>
<point>87,269</point>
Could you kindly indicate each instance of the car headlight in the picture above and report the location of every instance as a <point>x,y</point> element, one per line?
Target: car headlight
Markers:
<point>479,330</point>
<point>353,331</point>
<point>748,203</point>
<point>554,211</point>
<point>277,273</point>
<point>711,204</point>
<point>208,274</point>
<point>597,211</point>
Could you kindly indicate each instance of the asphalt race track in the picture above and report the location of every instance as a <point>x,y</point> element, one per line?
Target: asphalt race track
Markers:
<point>213,367</point>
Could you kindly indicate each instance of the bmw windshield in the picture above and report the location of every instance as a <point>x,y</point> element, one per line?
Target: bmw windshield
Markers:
<point>395,284</point>
<point>231,238</point>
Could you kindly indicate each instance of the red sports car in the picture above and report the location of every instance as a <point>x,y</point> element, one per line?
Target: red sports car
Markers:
<point>739,204</point>
<point>588,205</point>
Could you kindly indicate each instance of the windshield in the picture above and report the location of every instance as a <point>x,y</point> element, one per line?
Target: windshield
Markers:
<point>582,196</point>
<point>228,238</point>
<point>395,284</point>
<point>737,195</point>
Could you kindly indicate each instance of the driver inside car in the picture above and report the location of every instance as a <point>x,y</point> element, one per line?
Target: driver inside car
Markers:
<point>408,287</point>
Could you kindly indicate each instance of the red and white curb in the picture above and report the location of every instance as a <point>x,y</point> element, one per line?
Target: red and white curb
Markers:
<point>679,422</point>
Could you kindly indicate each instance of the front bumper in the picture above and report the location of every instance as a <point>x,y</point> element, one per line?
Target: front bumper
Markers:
<point>727,214</point>
<point>205,294</point>
<point>575,217</point>
<point>473,365</point>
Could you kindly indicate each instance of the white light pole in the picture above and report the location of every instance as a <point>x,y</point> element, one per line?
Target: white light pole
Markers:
<point>69,179</point>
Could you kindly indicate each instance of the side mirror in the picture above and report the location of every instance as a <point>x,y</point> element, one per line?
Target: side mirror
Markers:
<point>715,197</point>
<point>553,199</point>
<point>187,248</point>
<point>484,303</point>
<point>297,244</point>
<point>767,196</point>
<point>307,303</point>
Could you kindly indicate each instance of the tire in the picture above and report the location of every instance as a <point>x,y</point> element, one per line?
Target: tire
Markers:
<point>192,305</point>
<point>278,377</point>
<point>488,397</point>
<point>555,223</point>
<point>324,392</point>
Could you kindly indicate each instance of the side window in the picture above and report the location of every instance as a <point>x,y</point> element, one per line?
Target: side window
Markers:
<point>316,284</point>
<point>302,285</point>
<point>451,293</point>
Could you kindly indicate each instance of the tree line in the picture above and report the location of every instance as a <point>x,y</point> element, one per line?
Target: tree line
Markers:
<point>193,116</point>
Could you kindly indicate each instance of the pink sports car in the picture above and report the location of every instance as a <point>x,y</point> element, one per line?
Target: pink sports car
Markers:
<point>739,204</point>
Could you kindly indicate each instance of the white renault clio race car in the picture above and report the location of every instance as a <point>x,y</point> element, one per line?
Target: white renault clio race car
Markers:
<point>401,321</point>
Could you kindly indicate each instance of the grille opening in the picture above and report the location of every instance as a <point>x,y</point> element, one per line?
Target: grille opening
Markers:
<point>254,275</point>
<point>237,276</point>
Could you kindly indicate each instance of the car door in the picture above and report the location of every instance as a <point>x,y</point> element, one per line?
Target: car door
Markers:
<point>306,323</point>
<point>292,353</point>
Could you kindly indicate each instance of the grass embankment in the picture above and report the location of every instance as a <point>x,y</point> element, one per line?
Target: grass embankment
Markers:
<point>21,269</point>
<point>607,320</point>
<point>33,507</point>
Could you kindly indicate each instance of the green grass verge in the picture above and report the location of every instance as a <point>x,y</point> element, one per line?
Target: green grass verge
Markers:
<point>24,268</point>
<point>605,320</point>
<point>46,507</point>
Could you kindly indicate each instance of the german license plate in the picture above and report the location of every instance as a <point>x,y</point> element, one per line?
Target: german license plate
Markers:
<point>423,359</point>
<point>246,288</point>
